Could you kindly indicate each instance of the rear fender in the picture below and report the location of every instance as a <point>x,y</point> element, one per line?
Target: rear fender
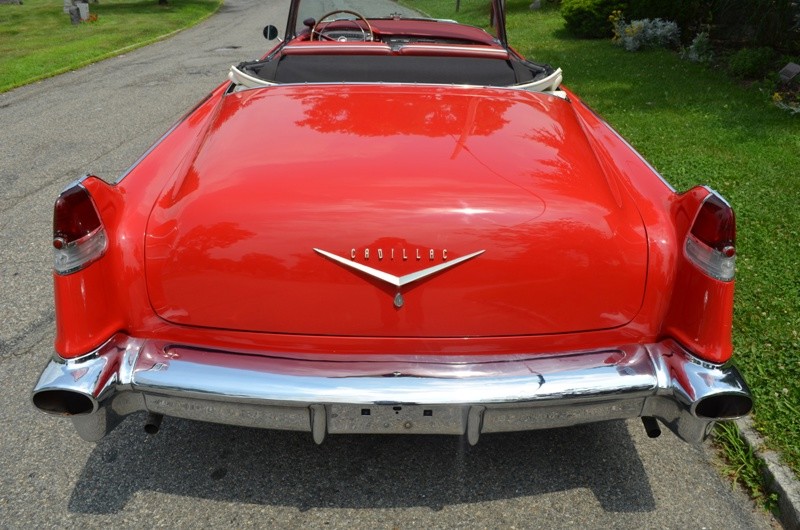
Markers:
<point>700,315</point>
<point>108,296</point>
<point>691,307</point>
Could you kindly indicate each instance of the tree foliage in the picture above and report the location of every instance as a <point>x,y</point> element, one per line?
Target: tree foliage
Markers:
<point>590,18</point>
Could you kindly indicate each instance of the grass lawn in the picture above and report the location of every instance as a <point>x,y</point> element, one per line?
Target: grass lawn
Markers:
<point>697,126</point>
<point>37,39</point>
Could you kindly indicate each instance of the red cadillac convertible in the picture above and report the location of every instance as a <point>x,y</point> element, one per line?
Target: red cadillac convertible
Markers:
<point>392,224</point>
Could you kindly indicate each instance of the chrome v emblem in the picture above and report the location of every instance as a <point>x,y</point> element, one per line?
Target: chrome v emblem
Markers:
<point>397,281</point>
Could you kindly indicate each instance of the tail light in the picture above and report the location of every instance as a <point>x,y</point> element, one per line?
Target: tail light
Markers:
<point>711,243</point>
<point>78,234</point>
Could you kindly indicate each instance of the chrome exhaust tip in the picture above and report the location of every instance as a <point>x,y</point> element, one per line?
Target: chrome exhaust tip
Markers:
<point>694,394</point>
<point>713,392</point>
<point>64,402</point>
<point>726,406</point>
<point>86,389</point>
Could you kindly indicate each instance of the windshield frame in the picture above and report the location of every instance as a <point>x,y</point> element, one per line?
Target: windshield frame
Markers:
<point>497,10</point>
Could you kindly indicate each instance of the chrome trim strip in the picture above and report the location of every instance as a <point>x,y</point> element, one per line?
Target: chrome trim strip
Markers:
<point>149,150</point>
<point>444,48</point>
<point>717,194</point>
<point>633,150</point>
<point>163,137</point>
<point>370,47</point>
<point>335,47</point>
<point>76,182</point>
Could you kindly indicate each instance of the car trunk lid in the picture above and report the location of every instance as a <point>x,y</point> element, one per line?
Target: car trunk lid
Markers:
<point>304,205</point>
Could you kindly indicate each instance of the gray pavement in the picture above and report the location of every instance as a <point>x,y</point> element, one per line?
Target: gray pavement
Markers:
<point>98,120</point>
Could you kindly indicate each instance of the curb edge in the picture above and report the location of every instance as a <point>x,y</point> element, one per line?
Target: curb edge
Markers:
<point>779,478</point>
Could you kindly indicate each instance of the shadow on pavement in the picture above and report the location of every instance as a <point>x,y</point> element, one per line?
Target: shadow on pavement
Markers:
<point>276,468</point>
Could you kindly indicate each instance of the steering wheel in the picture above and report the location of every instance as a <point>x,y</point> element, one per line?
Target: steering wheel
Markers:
<point>320,31</point>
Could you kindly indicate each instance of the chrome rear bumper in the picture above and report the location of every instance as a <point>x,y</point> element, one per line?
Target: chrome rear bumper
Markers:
<point>414,394</point>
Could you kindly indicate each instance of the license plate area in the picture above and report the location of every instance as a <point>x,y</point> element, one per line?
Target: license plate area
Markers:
<point>397,419</point>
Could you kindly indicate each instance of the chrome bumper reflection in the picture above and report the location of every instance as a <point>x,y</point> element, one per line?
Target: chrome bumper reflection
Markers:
<point>443,395</point>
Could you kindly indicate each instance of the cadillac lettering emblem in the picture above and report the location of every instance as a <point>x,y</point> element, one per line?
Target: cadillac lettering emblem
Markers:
<point>403,254</point>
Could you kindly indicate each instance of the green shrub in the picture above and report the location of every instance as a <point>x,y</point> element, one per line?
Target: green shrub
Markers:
<point>751,63</point>
<point>589,18</point>
<point>688,14</point>
<point>700,50</point>
<point>644,33</point>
